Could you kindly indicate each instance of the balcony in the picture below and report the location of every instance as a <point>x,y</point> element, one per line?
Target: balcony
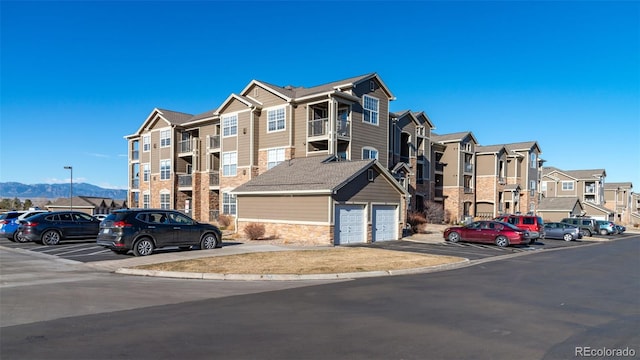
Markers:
<point>440,166</point>
<point>185,181</point>
<point>468,167</point>
<point>135,184</point>
<point>135,155</point>
<point>187,147</point>
<point>502,181</point>
<point>213,142</point>
<point>468,190</point>
<point>320,128</point>
<point>214,178</point>
<point>439,192</point>
<point>590,189</point>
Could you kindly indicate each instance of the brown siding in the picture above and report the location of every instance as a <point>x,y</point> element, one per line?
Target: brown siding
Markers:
<point>266,98</point>
<point>244,139</point>
<point>284,208</point>
<point>363,190</point>
<point>367,135</point>
<point>233,106</point>
<point>277,138</point>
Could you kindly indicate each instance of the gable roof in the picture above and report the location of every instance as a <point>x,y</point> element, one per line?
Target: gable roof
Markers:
<point>559,204</point>
<point>243,99</point>
<point>169,116</point>
<point>490,149</point>
<point>522,146</point>
<point>618,185</point>
<point>598,208</point>
<point>290,93</point>
<point>589,174</point>
<point>314,174</point>
<point>453,137</point>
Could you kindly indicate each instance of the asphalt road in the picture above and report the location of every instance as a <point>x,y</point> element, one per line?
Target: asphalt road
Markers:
<point>543,305</point>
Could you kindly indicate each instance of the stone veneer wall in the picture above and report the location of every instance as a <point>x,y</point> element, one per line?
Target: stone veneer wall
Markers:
<point>298,234</point>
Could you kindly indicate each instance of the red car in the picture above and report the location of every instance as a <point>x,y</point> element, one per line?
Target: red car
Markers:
<point>491,232</point>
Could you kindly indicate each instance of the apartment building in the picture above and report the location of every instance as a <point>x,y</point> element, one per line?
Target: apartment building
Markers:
<point>585,185</point>
<point>617,197</point>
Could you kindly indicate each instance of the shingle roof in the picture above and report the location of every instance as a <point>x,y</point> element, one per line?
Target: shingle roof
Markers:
<point>450,137</point>
<point>489,148</point>
<point>306,175</point>
<point>525,145</point>
<point>613,186</point>
<point>299,91</point>
<point>174,117</point>
<point>558,203</point>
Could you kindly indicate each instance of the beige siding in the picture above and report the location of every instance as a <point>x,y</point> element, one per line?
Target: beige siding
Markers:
<point>244,139</point>
<point>276,138</point>
<point>233,106</point>
<point>300,130</point>
<point>363,190</point>
<point>365,134</point>
<point>486,165</point>
<point>265,97</point>
<point>284,208</point>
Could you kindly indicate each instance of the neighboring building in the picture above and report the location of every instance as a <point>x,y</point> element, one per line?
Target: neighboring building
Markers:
<point>458,174</point>
<point>87,204</point>
<point>410,155</point>
<point>523,169</point>
<point>493,196</point>
<point>320,201</point>
<point>558,208</point>
<point>618,198</point>
<point>586,185</point>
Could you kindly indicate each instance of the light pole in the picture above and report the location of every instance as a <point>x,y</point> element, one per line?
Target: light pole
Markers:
<point>70,187</point>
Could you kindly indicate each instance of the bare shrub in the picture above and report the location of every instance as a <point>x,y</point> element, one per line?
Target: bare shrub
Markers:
<point>254,231</point>
<point>225,220</point>
<point>416,219</point>
<point>434,212</point>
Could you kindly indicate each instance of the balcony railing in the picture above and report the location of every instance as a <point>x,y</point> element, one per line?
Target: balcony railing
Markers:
<point>343,128</point>
<point>590,190</point>
<point>135,183</point>
<point>318,127</point>
<point>214,178</point>
<point>214,142</point>
<point>468,167</point>
<point>185,180</point>
<point>468,190</point>
<point>439,192</point>
<point>185,146</point>
<point>502,181</point>
<point>135,155</point>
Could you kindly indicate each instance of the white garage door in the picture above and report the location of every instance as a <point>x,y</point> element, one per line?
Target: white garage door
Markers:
<point>384,223</point>
<point>350,224</point>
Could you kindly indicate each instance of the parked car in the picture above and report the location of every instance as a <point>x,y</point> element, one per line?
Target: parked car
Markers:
<point>9,224</point>
<point>563,231</point>
<point>18,235</point>
<point>51,227</point>
<point>533,223</point>
<point>620,228</point>
<point>143,230</point>
<point>606,227</point>
<point>494,232</point>
<point>588,226</point>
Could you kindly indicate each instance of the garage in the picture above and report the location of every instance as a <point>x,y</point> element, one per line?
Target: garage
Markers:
<point>384,224</point>
<point>350,224</point>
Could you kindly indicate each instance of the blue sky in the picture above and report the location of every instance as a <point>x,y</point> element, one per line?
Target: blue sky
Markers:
<point>76,77</point>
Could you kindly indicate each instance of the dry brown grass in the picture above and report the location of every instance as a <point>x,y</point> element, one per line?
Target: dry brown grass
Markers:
<point>334,260</point>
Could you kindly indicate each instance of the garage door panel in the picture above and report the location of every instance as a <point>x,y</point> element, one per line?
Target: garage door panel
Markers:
<point>350,224</point>
<point>384,222</point>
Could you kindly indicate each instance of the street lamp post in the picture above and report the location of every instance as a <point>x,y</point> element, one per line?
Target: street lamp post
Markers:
<point>70,187</point>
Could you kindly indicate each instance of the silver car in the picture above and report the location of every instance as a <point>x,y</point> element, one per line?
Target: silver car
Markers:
<point>562,231</point>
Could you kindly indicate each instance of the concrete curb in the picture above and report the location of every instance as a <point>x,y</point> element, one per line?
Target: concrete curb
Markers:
<point>281,277</point>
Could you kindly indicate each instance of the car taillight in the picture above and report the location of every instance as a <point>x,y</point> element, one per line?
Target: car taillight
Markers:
<point>121,224</point>
<point>30,224</point>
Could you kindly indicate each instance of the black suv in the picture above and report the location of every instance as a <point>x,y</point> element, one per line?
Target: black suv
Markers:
<point>143,230</point>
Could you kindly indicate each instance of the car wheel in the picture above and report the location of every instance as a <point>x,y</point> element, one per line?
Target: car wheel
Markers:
<point>502,241</point>
<point>585,232</point>
<point>51,237</point>
<point>143,247</point>
<point>209,241</point>
<point>604,232</point>
<point>567,237</point>
<point>20,238</point>
<point>453,237</point>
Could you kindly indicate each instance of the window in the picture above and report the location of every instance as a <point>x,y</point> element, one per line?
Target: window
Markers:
<point>534,161</point>
<point>229,163</point>
<point>567,186</point>
<point>275,120</point>
<point>274,157</point>
<point>230,125</point>
<point>369,153</point>
<point>165,138</point>
<point>228,204</point>
<point>164,200</point>
<point>543,186</point>
<point>165,169</point>
<point>145,201</point>
<point>532,184</point>
<point>370,109</point>
<point>146,172</point>
<point>146,143</point>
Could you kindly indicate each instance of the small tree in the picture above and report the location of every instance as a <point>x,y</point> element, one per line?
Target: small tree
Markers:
<point>27,204</point>
<point>434,212</point>
<point>416,220</point>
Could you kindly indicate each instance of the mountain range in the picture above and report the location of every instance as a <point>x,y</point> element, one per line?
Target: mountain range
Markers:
<point>12,190</point>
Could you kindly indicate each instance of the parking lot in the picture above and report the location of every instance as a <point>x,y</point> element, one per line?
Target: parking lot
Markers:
<point>87,250</point>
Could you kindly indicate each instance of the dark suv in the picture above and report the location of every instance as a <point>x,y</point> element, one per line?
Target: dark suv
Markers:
<point>532,223</point>
<point>588,226</point>
<point>143,230</point>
